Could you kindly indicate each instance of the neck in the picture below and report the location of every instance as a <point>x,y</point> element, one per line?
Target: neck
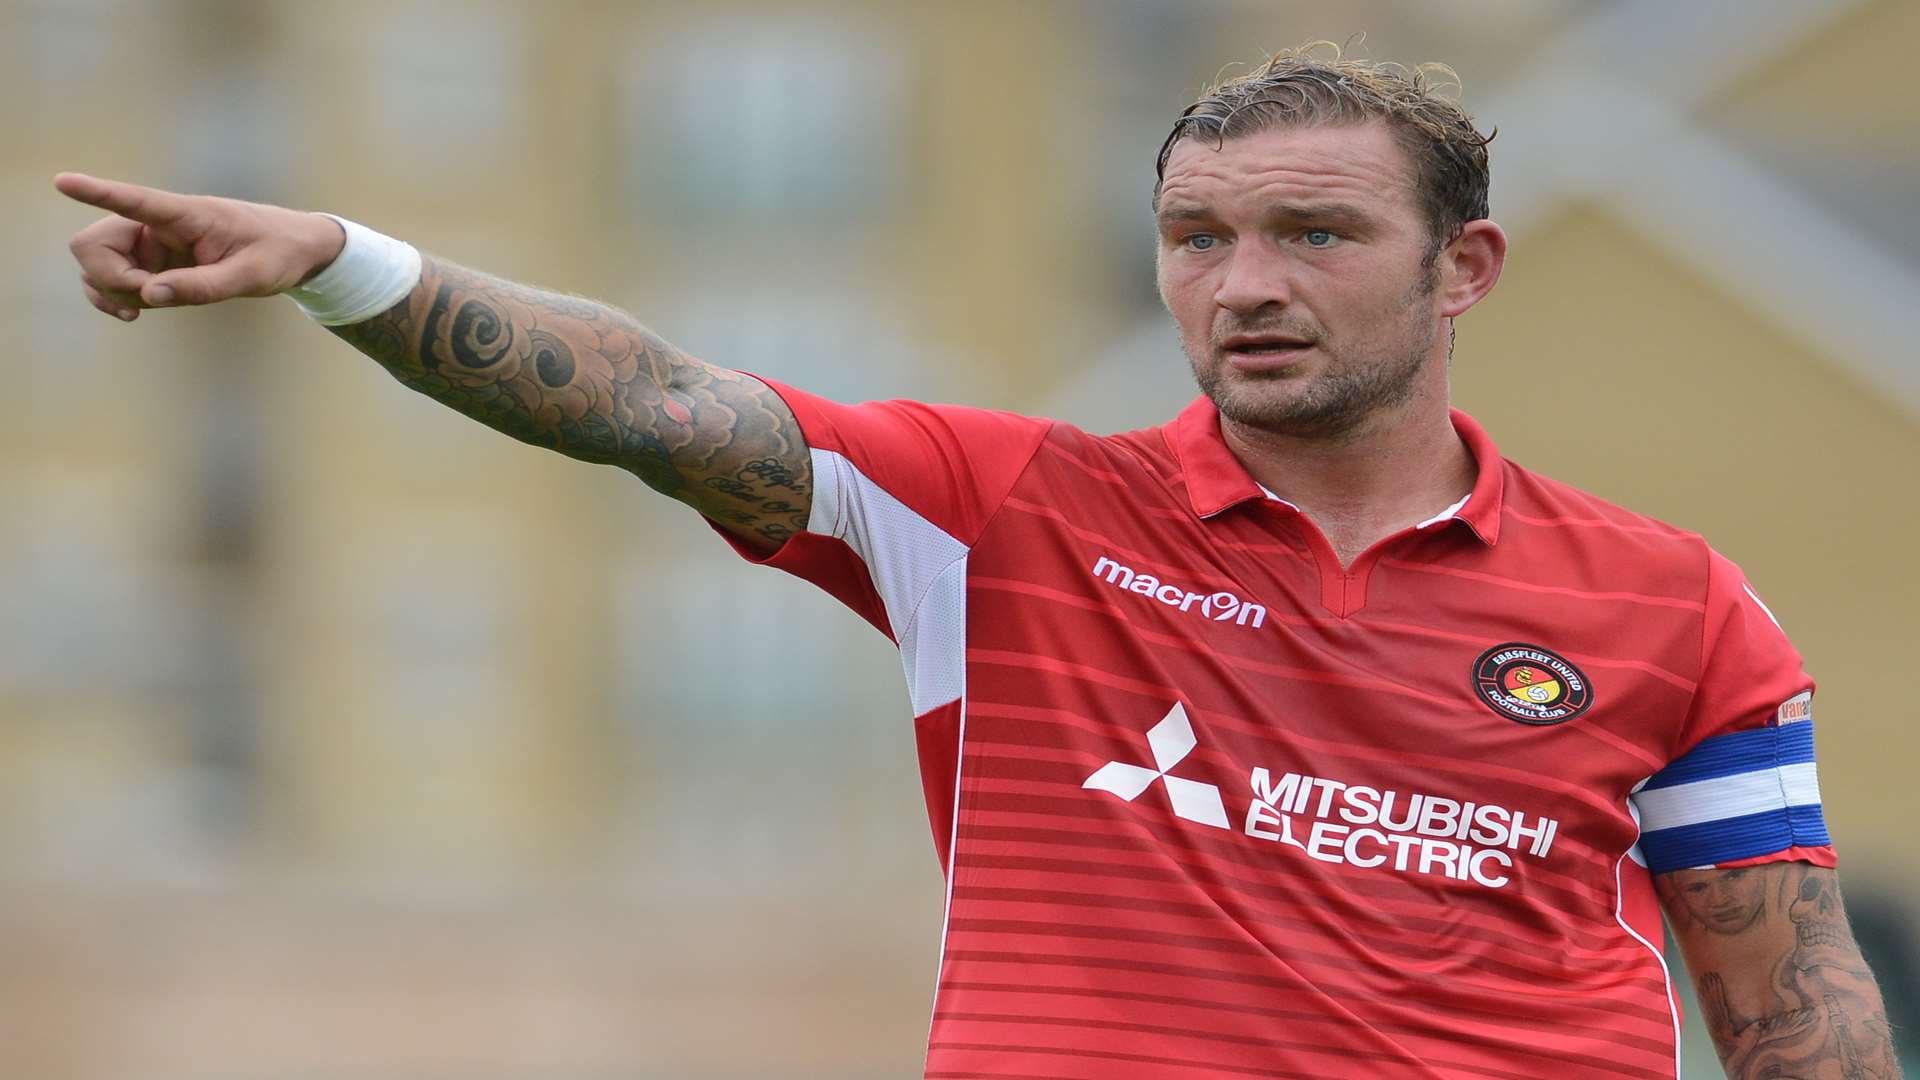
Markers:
<point>1397,469</point>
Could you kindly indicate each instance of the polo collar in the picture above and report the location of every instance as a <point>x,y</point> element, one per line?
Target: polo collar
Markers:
<point>1216,481</point>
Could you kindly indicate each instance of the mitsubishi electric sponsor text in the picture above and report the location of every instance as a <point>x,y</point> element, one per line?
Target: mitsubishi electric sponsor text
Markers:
<point>1409,832</point>
<point>1371,828</point>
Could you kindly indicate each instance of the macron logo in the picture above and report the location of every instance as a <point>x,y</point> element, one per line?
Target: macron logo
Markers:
<point>1171,740</point>
<point>1219,606</point>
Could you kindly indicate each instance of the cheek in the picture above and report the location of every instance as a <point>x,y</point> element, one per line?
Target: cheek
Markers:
<point>1185,291</point>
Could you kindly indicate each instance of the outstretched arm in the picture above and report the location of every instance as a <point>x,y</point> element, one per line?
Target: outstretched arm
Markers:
<point>1783,988</point>
<point>556,371</point>
<point>588,381</point>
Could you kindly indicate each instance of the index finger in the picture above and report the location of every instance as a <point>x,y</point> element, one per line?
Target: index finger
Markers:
<point>144,204</point>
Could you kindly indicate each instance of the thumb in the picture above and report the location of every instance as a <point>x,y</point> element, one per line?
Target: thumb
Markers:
<point>207,284</point>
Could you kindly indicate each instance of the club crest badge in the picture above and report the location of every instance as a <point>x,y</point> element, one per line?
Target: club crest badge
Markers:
<point>1530,684</point>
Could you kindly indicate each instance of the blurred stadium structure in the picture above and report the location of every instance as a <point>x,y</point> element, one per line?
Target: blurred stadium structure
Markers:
<point>340,737</point>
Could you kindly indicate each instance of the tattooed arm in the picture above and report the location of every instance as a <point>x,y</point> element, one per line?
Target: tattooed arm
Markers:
<point>588,381</point>
<point>1783,988</point>
<point>556,371</point>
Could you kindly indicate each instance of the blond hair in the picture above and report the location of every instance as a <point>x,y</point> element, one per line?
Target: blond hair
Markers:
<point>1318,85</point>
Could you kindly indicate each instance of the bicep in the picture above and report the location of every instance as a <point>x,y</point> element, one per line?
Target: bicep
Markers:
<point>726,444</point>
<point>747,448</point>
<point>1734,923</point>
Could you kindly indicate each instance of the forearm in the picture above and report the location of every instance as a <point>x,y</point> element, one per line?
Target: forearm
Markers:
<point>1831,1023</point>
<point>1783,989</point>
<point>555,371</point>
<point>588,381</point>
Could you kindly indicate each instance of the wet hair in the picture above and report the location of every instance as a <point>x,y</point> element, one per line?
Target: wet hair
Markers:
<point>1317,85</point>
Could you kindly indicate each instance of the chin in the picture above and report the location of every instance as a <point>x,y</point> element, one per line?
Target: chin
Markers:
<point>1282,406</point>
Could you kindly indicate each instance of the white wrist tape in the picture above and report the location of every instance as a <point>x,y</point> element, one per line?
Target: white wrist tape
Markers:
<point>372,273</point>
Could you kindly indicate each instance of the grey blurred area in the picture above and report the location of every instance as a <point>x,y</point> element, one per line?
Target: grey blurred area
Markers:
<point>340,737</point>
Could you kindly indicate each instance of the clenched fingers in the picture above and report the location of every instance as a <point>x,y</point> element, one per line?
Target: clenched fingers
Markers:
<point>104,251</point>
<point>119,308</point>
<point>151,255</point>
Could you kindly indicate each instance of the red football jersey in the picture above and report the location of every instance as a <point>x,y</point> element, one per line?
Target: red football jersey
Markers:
<point>1211,805</point>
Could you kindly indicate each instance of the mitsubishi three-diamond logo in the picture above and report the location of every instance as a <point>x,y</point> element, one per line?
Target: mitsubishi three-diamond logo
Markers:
<point>1171,740</point>
<point>1460,836</point>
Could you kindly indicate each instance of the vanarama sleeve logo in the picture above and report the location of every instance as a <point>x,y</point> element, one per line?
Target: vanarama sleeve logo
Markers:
<point>1530,684</point>
<point>1381,829</point>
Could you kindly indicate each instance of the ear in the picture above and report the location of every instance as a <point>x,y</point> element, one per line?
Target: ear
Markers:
<point>1470,266</point>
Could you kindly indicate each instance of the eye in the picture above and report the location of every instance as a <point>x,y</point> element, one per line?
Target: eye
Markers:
<point>1320,238</point>
<point>1200,242</point>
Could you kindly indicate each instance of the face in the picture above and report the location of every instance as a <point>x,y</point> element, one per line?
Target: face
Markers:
<point>1819,925</point>
<point>1724,901</point>
<point>1291,259</point>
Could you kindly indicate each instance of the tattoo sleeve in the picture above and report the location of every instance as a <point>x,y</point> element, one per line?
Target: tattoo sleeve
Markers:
<point>588,381</point>
<point>1783,988</point>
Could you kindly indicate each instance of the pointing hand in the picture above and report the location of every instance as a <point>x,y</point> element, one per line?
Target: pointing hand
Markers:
<point>161,249</point>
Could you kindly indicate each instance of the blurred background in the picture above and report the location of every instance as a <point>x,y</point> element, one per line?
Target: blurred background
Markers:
<point>340,737</point>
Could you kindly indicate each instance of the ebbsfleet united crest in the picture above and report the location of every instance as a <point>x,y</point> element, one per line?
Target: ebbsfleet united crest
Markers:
<point>1531,684</point>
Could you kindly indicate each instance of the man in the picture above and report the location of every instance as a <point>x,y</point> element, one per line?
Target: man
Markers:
<point>1301,736</point>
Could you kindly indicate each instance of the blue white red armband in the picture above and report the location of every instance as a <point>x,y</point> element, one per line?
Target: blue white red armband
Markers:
<point>1742,797</point>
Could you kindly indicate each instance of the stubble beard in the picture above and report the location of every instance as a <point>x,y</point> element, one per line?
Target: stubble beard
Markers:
<point>1338,401</point>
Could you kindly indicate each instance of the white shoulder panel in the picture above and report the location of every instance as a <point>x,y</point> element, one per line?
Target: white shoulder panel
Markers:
<point>918,568</point>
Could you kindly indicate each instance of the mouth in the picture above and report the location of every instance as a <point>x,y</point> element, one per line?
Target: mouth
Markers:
<point>1814,935</point>
<point>1264,352</point>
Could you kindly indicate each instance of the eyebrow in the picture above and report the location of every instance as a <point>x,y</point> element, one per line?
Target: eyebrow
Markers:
<point>1333,213</point>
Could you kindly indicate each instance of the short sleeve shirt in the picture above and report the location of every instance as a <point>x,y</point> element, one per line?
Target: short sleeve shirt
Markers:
<point>1211,804</point>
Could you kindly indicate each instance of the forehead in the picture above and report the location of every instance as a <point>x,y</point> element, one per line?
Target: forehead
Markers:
<point>1355,164</point>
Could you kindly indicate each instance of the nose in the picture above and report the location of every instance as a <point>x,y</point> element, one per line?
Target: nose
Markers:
<point>1255,275</point>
